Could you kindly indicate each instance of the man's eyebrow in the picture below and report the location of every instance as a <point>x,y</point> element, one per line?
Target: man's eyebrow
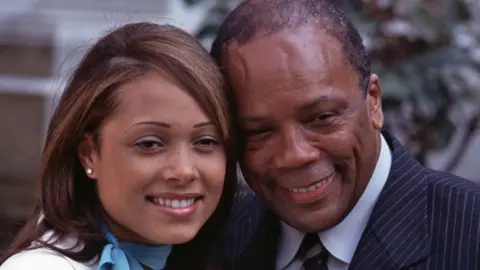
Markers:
<point>313,103</point>
<point>324,99</point>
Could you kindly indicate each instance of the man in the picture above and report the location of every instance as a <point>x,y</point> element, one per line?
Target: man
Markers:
<point>334,190</point>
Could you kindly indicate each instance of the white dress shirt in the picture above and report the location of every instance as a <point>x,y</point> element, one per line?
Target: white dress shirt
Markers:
<point>341,241</point>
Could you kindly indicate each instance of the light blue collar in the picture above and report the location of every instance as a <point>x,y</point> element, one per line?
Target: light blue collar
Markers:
<point>131,256</point>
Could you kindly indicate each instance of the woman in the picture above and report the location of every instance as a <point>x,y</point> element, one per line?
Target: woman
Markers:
<point>138,170</point>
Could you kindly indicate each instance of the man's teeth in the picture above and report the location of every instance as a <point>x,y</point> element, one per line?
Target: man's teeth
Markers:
<point>173,203</point>
<point>307,189</point>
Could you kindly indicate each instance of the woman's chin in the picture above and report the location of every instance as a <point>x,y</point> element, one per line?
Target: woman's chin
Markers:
<point>174,237</point>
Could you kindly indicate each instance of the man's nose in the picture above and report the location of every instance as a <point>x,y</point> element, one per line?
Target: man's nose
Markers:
<point>294,149</point>
<point>180,166</point>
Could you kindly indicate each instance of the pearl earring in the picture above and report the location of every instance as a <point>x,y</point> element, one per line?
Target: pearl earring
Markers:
<point>89,171</point>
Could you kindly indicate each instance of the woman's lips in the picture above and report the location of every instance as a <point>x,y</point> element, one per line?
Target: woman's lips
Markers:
<point>178,205</point>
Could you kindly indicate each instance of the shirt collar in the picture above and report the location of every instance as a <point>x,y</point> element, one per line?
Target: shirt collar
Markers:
<point>125,255</point>
<point>341,240</point>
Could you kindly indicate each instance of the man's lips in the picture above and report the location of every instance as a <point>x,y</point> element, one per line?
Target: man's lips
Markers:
<point>301,187</point>
<point>309,194</point>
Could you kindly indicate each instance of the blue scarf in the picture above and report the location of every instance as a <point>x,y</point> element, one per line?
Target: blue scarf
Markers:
<point>130,256</point>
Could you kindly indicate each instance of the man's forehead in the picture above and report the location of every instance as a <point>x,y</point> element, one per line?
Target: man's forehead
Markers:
<point>305,47</point>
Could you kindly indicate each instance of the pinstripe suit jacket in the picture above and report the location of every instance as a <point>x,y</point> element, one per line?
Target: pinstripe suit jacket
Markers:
<point>424,219</point>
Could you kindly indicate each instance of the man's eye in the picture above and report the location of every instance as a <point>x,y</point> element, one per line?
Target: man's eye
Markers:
<point>254,132</point>
<point>257,134</point>
<point>322,118</point>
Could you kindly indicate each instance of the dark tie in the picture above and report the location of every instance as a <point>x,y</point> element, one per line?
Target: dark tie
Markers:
<point>312,253</point>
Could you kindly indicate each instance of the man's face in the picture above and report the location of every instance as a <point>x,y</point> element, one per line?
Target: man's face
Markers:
<point>311,138</point>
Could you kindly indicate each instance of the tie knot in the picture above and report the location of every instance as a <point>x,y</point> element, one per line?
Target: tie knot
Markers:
<point>310,242</point>
<point>312,253</point>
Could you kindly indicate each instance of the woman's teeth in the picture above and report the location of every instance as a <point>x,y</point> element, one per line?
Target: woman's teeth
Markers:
<point>173,202</point>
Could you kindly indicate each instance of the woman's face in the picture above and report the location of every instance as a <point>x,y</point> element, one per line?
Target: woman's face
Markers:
<point>160,164</point>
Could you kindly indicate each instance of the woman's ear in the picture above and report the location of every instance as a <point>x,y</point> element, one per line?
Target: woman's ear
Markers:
<point>89,157</point>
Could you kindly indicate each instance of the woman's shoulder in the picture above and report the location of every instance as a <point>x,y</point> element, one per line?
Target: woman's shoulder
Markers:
<point>38,258</point>
<point>43,258</point>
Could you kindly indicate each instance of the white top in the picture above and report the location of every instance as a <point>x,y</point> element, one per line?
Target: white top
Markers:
<point>45,259</point>
<point>341,241</point>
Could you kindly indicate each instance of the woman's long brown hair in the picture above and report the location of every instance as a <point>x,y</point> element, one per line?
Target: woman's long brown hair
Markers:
<point>68,203</point>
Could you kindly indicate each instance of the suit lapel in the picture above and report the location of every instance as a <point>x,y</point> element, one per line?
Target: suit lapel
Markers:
<point>397,233</point>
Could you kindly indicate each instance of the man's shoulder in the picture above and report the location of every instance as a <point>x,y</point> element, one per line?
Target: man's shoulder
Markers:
<point>453,202</point>
<point>247,212</point>
<point>249,239</point>
<point>449,188</point>
<point>243,226</point>
<point>453,209</point>
<point>246,205</point>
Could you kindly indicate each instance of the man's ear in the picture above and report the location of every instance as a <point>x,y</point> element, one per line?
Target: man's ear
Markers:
<point>374,101</point>
<point>88,154</point>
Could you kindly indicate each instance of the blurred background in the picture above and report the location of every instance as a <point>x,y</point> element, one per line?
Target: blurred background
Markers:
<point>426,52</point>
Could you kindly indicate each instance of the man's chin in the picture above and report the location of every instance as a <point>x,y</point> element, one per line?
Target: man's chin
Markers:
<point>309,220</point>
<point>310,226</point>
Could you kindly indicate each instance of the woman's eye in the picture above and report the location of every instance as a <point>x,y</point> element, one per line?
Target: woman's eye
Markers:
<point>148,144</point>
<point>207,142</point>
